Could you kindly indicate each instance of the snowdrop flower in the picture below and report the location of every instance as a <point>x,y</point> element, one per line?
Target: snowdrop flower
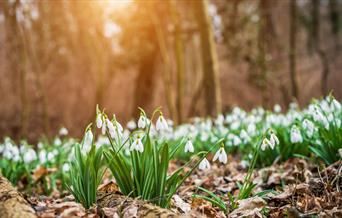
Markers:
<point>50,156</point>
<point>277,108</point>
<point>88,139</point>
<point>293,105</point>
<point>251,129</point>
<point>219,120</point>
<point>63,131</point>
<point>265,143</point>
<point>118,125</point>
<point>29,156</point>
<point>340,152</point>
<point>111,128</point>
<point>221,155</point>
<point>40,145</point>
<point>42,156</point>
<point>99,121</point>
<point>317,115</point>
<point>204,164</point>
<point>296,136</point>
<point>189,147</point>
<point>57,141</point>
<point>131,124</point>
<point>66,167</point>
<point>236,140</point>
<point>161,123</point>
<point>309,127</point>
<point>142,122</point>
<point>137,145</point>
<point>273,140</point>
<point>103,128</point>
<point>336,106</point>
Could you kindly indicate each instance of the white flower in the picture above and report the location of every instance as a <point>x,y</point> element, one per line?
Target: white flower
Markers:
<point>63,131</point>
<point>309,127</point>
<point>189,147</point>
<point>277,108</point>
<point>221,155</point>
<point>161,124</point>
<point>66,167</point>
<point>273,140</point>
<point>244,135</point>
<point>99,121</point>
<point>236,140</point>
<point>50,156</point>
<point>111,128</point>
<point>137,145</point>
<point>131,124</point>
<point>103,130</point>
<point>336,105</point>
<point>88,139</point>
<point>29,156</point>
<point>296,136</point>
<point>57,141</point>
<point>142,122</point>
<point>42,156</point>
<point>266,143</point>
<point>204,164</point>
<point>119,126</point>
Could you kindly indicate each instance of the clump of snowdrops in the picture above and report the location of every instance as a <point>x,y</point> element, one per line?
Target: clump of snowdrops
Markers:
<point>20,162</point>
<point>140,163</point>
<point>86,170</point>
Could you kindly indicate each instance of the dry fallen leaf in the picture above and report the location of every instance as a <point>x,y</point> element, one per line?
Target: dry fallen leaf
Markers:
<point>42,171</point>
<point>111,186</point>
<point>250,207</point>
<point>179,203</point>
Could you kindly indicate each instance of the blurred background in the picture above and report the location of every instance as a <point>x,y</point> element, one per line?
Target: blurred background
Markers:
<point>59,58</point>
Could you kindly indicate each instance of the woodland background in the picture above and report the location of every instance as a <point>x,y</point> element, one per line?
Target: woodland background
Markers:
<point>59,58</point>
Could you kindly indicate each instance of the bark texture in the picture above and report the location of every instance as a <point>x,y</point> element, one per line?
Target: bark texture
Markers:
<point>12,204</point>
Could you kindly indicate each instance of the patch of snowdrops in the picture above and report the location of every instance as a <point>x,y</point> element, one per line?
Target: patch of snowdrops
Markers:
<point>313,132</point>
<point>139,161</point>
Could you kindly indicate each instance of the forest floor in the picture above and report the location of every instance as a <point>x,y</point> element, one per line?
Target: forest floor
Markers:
<point>299,189</point>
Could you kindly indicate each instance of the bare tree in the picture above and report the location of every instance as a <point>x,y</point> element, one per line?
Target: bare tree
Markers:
<point>211,83</point>
<point>292,48</point>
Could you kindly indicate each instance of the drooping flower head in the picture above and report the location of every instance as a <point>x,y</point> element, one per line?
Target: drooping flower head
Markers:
<point>137,145</point>
<point>204,165</point>
<point>142,122</point>
<point>265,144</point>
<point>189,147</point>
<point>221,155</point>
<point>295,135</point>
<point>161,123</point>
<point>273,140</point>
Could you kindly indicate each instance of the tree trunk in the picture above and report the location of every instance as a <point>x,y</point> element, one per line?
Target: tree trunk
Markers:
<point>166,66</point>
<point>263,31</point>
<point>335,21</point>
<point>179,48</point>
<point>211,82</point>
<point>316,45</point>
<point>292,49</point>
<point>12,204</point>
<point>144,83</point>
